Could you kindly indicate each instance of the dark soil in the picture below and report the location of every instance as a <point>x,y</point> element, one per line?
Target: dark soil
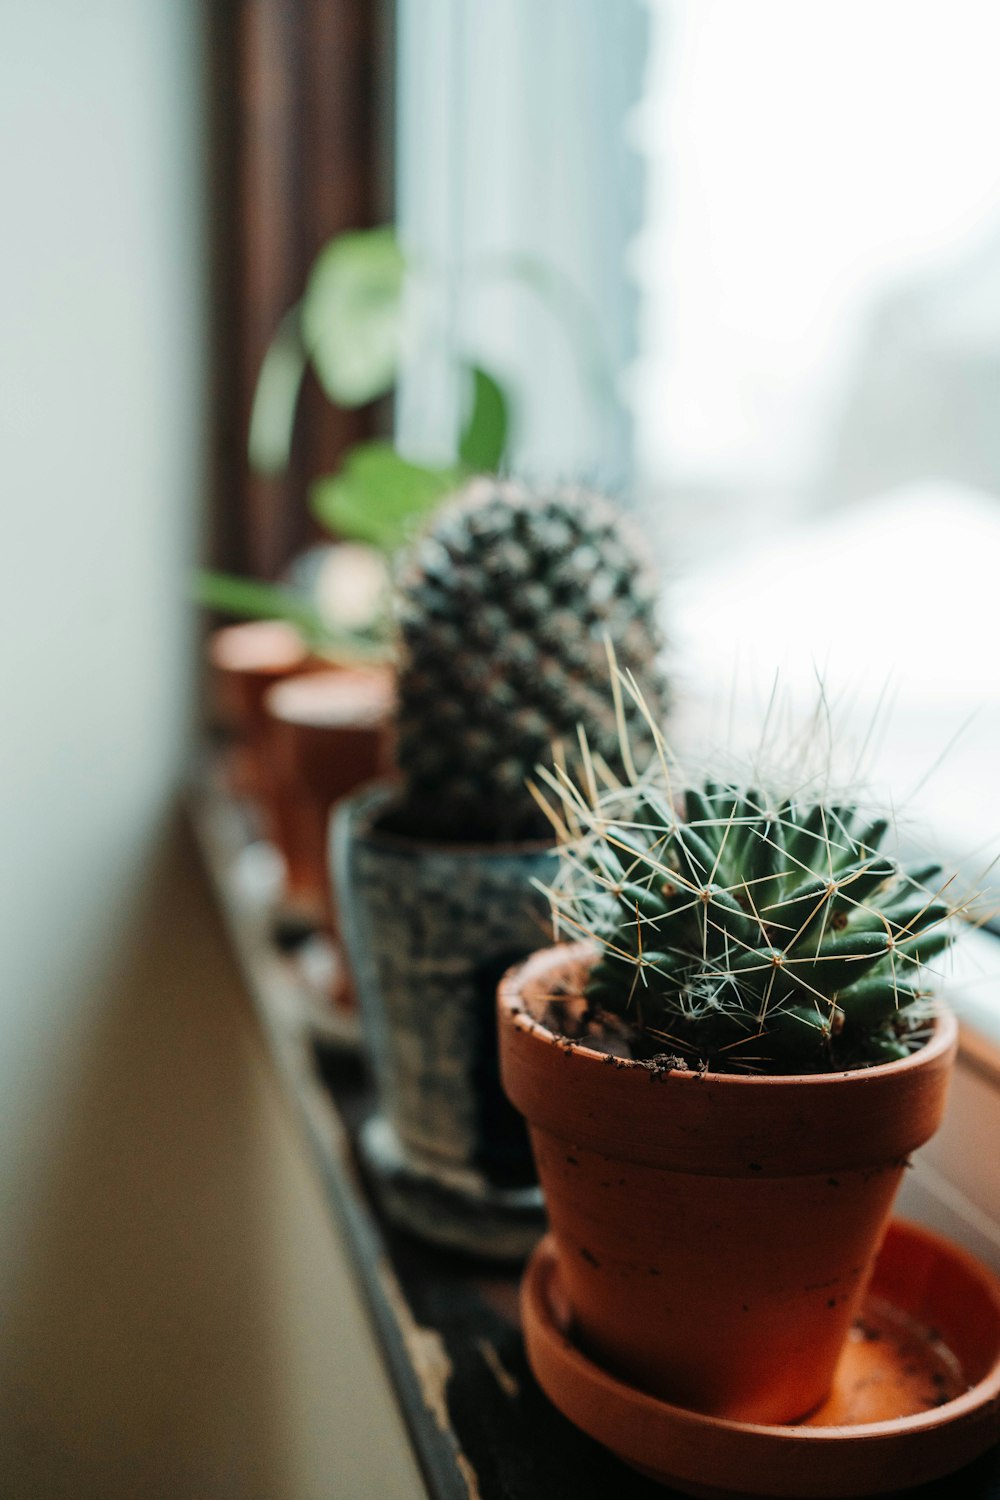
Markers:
<point>561,1007</point>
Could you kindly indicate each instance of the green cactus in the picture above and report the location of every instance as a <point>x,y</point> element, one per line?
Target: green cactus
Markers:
<point>750,933</point>
<point>507,605</point>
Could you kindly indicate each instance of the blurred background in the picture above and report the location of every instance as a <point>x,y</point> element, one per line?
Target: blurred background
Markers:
<point>739,265</point>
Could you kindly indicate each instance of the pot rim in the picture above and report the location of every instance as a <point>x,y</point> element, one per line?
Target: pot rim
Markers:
<point>272,648</point>
<point>717,1124</point>
<point>361,807</point>
<point>508,998</point>
<point>294,699</point>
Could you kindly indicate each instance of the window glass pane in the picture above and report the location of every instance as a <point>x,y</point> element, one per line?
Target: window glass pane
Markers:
<point>820,261</point>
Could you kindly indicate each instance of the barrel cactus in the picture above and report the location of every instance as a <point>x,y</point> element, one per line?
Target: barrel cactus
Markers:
<point>507,607</point>
<point>739,931</point>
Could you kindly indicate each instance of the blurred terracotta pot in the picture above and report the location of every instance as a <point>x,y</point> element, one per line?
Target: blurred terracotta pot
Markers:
<point>715,1233</point>
<point>245,662</point>
<point>328,732</point>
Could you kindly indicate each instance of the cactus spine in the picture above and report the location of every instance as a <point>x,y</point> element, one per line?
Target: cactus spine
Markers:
<point>743,932</point>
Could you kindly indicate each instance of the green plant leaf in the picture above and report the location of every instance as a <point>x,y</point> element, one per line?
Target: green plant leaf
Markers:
<point>379,497</point>
<point>272,418</point>
<point>484,437</point>
<point>250,598</point>
<point>258,600</point>
<point>352,315</point>
<point>569,306</point>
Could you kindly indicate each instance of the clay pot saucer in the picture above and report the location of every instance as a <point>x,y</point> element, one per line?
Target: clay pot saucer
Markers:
<point>916,1395</point>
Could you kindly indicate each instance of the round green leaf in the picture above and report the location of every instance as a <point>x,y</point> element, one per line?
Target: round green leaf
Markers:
<point>484,436</point>
<point>352,315</point>
<point>379,497</point>
<point>272,418</point>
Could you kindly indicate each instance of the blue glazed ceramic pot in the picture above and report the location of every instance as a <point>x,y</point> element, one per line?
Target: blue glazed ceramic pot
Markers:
<point>430,929</point>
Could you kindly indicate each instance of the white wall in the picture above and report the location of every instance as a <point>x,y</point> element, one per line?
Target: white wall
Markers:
<point>177,1314</point>
<point>100,471</point>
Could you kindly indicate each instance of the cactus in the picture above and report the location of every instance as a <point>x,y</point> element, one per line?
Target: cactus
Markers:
<point>749,932</point>
<point>507,606</point>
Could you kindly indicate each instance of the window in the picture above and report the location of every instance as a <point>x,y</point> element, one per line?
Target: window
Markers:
<point>785,221</point>
<point>299,103</point>
<point>820,258</point>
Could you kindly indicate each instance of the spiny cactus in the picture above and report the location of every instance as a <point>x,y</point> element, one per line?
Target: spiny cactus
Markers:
<point>748,933</point>
<point>506,607</point>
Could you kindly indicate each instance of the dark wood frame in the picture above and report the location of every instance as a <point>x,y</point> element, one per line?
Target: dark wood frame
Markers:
<point>300,124</point>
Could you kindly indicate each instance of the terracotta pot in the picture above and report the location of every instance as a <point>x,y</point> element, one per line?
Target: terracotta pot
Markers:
<point>328,733</point>
<point>246,661</point>
<point>715,1233</point>
<point>429,930</point>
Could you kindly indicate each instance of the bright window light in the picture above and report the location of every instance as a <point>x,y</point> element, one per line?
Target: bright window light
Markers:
<point>805,163</point>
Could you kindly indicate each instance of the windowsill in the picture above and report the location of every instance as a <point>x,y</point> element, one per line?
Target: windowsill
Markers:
<point>448,1330</point>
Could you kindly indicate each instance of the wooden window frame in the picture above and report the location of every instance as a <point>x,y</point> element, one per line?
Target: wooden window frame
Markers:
<point>300,124</point>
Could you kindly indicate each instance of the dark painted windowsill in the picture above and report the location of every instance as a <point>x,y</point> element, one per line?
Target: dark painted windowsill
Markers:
<point>448,1329</point>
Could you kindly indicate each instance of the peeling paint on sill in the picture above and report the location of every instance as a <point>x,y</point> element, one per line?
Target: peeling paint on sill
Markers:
<point>431,1365</point>
<point>504,1379</point>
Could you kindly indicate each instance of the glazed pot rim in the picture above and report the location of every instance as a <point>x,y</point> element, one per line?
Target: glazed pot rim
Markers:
<point>362,806</point>
<point>508,998</point>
